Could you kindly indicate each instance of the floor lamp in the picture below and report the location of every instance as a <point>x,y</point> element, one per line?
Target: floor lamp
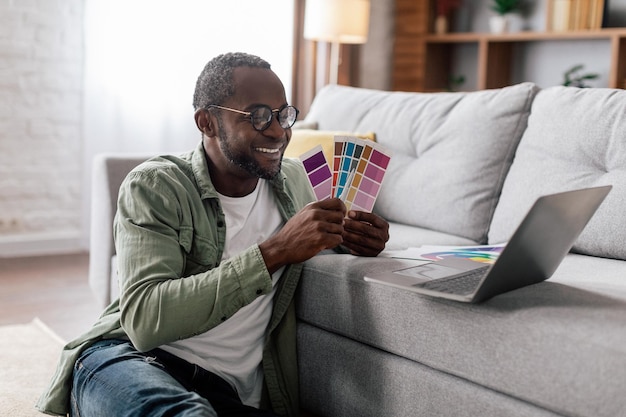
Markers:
<point>336,22</point>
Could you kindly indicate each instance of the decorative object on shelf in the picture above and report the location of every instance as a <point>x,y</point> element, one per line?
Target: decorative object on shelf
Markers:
<point>441,24</point>
<point>444,9</point>
<point>336,22</point>
<point>573,78</point>
<point>499,23</point>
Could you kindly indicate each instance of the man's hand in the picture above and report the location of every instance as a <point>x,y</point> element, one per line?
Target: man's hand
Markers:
<point>365,234</point>
<point>318,226</point>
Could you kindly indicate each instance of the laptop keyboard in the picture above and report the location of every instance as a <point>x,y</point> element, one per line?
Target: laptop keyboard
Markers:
<point>459,284</point>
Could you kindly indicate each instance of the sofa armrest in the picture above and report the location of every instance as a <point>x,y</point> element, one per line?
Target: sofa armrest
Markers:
<point>108,172</point>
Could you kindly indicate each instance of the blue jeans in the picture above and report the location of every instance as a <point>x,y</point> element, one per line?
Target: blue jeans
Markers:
<point>111,378</point>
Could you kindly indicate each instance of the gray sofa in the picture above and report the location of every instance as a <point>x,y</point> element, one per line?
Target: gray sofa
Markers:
<point>466,168</point>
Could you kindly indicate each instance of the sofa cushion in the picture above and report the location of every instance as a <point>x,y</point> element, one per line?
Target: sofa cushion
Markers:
<point>450,150</point>
<point>559,344</point>
<point>303,140</point>
<point>301,124</point>
<point>575,138</point>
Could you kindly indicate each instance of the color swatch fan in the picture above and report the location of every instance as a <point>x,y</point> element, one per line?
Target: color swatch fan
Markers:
<point>358,169</point>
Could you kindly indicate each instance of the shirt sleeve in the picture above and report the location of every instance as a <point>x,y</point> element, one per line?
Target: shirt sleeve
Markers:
<point>159,302</point>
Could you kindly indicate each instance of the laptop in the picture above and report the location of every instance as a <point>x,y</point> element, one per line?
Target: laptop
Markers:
<point>533,253</point>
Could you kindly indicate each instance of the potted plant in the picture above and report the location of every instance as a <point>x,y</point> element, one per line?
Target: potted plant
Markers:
<point>573,77</point>
<point>499,23</point>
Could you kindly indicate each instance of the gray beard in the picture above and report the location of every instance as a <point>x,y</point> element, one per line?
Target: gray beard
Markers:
<point>245,162</point>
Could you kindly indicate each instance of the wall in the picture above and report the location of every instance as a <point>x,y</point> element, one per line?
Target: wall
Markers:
<point>44,163</point>
<point>367,65</point>
<point>377,54</point>
<point>41,70</point>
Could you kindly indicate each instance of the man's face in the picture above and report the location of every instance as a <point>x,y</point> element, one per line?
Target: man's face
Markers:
<point>244,153</point>
<point>237,151</point>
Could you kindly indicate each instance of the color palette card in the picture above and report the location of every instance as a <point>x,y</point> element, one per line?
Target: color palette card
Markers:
<point>347,152</point>
<point>319,174</point>
<point>363,166</point>
<point>358,169</point>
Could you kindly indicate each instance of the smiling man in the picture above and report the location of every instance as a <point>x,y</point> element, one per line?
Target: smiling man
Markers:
<point>209,246</point>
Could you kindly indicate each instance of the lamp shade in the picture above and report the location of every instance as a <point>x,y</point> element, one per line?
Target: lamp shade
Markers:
<point>339,21</point>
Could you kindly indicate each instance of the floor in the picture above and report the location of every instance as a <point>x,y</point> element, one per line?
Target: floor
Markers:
<point>53,288</point>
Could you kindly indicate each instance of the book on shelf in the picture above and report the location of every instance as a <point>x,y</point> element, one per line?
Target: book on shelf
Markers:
<point>564,15</point>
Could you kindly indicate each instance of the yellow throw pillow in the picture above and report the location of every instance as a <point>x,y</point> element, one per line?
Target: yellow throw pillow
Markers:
<point>303,140</point>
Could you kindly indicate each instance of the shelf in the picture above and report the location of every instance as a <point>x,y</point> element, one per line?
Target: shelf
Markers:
<point>526,36</point>
<point>423,60</point>
<point>495,55</point>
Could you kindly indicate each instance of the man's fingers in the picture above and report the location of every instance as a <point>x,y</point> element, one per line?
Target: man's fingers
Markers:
<point>331,204</point>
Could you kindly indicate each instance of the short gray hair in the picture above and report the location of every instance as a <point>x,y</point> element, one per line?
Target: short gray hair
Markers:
<point>215,83</point>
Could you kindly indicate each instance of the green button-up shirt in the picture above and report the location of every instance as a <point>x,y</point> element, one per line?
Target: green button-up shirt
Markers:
<point>170,233</point>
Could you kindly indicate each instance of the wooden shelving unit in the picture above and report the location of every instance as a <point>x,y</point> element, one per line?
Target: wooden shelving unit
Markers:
<point>430,54</point>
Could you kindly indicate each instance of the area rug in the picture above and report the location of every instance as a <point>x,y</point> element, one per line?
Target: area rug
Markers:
<point>28,357</point>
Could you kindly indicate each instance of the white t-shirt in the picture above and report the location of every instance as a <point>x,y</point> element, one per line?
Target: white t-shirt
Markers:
<point>234,349</point>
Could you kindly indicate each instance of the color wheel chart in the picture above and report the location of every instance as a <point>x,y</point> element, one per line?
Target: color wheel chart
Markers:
<point>359,167</point>
<point>485,254</point>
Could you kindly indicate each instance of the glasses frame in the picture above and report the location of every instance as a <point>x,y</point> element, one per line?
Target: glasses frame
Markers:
<point>267,123</point>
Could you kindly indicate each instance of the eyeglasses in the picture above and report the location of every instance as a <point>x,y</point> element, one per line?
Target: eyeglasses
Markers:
<point>261,117</point>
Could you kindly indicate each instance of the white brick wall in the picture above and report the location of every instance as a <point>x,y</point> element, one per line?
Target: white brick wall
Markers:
<point>41,151</point>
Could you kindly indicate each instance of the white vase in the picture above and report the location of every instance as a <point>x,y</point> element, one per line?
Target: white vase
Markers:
<point>499,23</point>
<point>517,23</point>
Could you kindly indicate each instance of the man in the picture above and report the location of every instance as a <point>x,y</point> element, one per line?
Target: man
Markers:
<point>209,248</point>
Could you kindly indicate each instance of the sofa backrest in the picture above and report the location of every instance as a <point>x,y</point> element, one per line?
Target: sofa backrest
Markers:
<point>451,151</point>
<point>575,138</point>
